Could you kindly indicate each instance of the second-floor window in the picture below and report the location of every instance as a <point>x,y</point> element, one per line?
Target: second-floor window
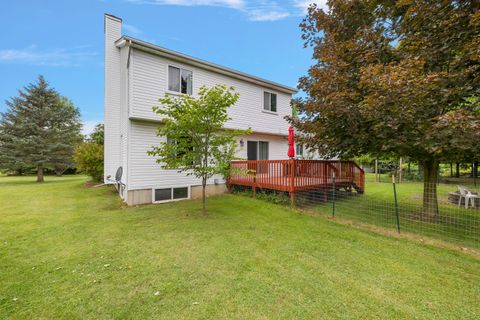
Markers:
<point>269,101</point>
<point>179,80</point>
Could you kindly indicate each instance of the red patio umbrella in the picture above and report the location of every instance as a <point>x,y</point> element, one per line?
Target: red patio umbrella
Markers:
<point>291,143</point>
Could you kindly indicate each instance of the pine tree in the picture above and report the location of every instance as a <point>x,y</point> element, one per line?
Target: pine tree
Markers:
<point>39,130</point>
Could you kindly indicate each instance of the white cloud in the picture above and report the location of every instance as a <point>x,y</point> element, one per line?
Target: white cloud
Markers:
<point>89,125</point>
<point>267,15</point>
<point>59,57</point>
<point>260,10</point>
<point>132,29</point>
<point>236,4</point>
<point>255,10</point>
<point>303,5</point>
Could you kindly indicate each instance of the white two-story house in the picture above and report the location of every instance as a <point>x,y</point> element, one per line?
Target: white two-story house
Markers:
<point>137,73</point>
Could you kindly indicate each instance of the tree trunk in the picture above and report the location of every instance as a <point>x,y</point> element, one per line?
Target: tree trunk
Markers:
<point>40,173</point>
<point>451,169</point>
<point>457,170</point>
<point>204,186</point>
<point>430,176</point>
<point>59,171</point>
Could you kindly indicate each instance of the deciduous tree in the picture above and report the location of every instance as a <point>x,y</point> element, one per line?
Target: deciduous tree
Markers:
<point>394,78</point>
<point>196,141</point>
<point>89,155</point>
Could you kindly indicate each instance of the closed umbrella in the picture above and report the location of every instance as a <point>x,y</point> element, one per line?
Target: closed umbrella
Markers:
<point>291,143</point>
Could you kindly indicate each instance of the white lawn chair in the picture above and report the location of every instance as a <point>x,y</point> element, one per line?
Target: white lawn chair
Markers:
<point>468,196</point>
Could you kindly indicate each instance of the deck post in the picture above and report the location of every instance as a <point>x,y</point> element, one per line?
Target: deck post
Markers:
<point>254,186</point>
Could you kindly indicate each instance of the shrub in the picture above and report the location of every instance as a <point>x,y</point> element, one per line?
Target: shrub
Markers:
<point>89,160</point>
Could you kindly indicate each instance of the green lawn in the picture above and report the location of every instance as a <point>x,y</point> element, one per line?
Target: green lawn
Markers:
<point>72,252</point>
<point>377,207</point>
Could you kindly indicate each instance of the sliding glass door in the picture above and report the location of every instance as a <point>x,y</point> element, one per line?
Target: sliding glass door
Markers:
<point>258,150</point>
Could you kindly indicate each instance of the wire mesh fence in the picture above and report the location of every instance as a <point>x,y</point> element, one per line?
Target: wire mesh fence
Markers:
<point>450,212</point>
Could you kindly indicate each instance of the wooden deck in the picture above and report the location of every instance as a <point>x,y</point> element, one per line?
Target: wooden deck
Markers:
<point>297,175</point>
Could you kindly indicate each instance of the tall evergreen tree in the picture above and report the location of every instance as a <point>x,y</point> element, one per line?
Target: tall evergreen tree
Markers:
<point>39,129</point>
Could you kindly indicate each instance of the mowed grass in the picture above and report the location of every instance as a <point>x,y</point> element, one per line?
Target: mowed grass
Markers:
<point>72,252</point>
<point>377,207</point>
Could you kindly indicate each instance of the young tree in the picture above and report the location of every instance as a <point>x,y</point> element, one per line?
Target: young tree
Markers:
<point>88,155</point>
<point>39,129</point>
<point>197,144</point>
<point>394,78</point>
<point>88,158</point>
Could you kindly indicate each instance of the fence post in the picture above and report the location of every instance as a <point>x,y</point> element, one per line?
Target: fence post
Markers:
<point>396,203</point>
<point>333,194</point>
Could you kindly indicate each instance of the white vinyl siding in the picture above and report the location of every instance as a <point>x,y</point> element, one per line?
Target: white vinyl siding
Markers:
<point>146,173</point>
<point>150,82</point>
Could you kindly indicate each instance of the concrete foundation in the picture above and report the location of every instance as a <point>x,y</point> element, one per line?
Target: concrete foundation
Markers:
<point>139,197</point>
<point>144,196</point>
<point>210,190</point>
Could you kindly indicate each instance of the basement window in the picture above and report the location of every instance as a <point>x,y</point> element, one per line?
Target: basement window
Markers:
<point>179,80</point>
<point>180,193</point>
<point>163,194</point>
<point>168,194</point>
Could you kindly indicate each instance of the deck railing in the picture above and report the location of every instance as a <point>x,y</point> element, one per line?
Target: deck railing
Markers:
<point>296,175</point>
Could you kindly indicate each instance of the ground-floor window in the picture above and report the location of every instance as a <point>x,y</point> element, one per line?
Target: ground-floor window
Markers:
<point>299,150</point>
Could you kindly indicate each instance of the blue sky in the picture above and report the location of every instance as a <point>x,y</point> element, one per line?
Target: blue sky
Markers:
<point>63,40</point>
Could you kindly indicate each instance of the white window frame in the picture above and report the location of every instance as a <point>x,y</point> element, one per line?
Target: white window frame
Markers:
<point>258,148</point>
<point>269,102</point>
<point>167,90</point>
<point>171,194</point>
<point>302,147</point>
